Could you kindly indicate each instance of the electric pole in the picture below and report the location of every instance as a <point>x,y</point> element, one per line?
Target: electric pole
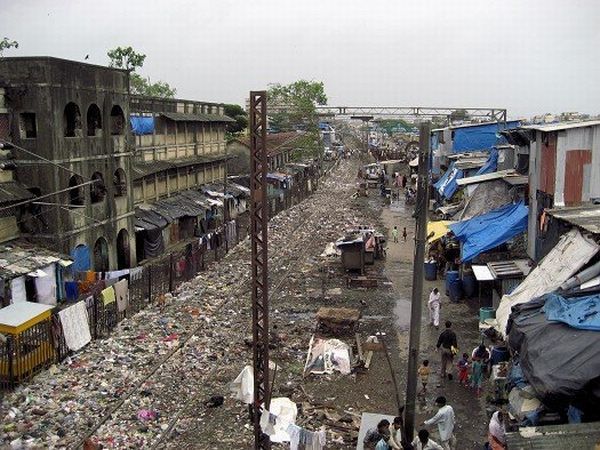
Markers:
<point>417,285</point>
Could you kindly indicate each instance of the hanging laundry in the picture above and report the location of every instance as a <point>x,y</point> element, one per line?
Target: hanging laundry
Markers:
<point>17,290</point>
<point>267,423</point>
<point>135,273</point>
<point>72,290</point>
<point>243,386</point>
<point>122,294</point>
<point>74,322</point>
<point>45,287</point>
<point>116,274</point>
<point>108,296</point>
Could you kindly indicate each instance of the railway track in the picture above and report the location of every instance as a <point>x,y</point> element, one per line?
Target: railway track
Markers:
<point>168,386</point>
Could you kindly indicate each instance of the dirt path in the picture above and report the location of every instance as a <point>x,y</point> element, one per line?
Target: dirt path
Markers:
<point>470,413</point>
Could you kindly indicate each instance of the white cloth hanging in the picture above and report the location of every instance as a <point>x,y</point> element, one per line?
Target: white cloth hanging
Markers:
<point>45,287</point>
<point>74,322</point>
<point>17,290</point>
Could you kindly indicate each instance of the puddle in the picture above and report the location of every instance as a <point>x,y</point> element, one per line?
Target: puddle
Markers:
<point>402,313</point>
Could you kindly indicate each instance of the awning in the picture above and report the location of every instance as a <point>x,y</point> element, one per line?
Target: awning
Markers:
<point>490,230</point>
<point>149,220</point>
<point>571,253</point>
<point>183,117</point>
<point>13,192</point>
<point>438,228</point>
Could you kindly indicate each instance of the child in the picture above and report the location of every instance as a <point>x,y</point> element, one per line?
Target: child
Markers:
<point>477,375</point>
<point>404,234</point>
<point>395,233</point>
<point>424,375</point>
<point>463,369</point>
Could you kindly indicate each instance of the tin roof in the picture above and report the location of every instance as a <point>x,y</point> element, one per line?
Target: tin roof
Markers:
<point>20,259</point>
<point>561,125</point>
<point>142,169</point>
<point>183,117</point>
<point>13,192</point>
<point>551,437</point>
<point>586,216</point>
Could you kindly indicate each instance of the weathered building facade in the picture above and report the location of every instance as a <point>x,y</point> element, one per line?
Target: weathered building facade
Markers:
<point>68,122</point>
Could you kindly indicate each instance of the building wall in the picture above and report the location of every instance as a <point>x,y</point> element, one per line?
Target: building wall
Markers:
<point>45,87</point>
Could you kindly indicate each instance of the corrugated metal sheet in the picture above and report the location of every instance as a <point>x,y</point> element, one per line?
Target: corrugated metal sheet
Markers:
<point>561,126</point>
<point>574,169</point>
<point>571,253</point>
<point>586,217</point>
<point>13,192</point>
<point>485,177</point>
<point>183,117</point>
<point>548,165</point>
<point>580,436</point>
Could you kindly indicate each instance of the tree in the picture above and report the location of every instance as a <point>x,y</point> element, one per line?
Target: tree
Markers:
<point>5,44</point>
<point>240,116</point>
<point>295,108</point>
<point>127,58</point>
<point>459,114</point>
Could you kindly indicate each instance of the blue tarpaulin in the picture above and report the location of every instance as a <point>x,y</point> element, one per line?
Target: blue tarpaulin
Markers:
<point>482,233</point>
<point>141,125</point>
<point>491,164</point>
<point>582,313</point>
<point>446,185</point>
<point>81,258</point>
<point>480,137</point>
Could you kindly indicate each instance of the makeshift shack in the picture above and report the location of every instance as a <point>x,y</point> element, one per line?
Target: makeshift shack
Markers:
<point>27,328</point>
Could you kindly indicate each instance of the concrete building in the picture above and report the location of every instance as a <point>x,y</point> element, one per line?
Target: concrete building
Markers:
<point>564,171</point>
<point>68,120</point>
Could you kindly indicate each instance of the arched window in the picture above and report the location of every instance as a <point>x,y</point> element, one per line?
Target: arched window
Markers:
<point>97,189</point>
<point>117,120</point>
<point>101,255</point>
<point>120,182</point>
<point>72,120</point>
<point>94,119</point>
<point>76,196</point>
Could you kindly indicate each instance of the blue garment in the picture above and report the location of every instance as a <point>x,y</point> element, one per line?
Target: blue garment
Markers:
<point>582,312</point>
<point>488,231</point>
<point>382,445</point>
<point>81,258</point>
<point>72,290</point>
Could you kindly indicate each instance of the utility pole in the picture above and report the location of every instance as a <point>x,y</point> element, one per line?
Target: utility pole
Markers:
<point>225,209</point>
<point>417,285</point>
<point>259,221</point>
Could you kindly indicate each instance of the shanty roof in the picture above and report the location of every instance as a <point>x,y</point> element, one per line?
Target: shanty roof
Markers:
<point>586,217</point>
<point>485,177</point>
<point>183,117</point>
<point>142,169</point>
<point>13,192</point>
<point>555,437</point>
<point>17,260</point>
<point>547,127</point>
<point>158,214</point>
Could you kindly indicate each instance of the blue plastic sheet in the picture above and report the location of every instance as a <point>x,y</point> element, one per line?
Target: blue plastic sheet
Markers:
<point>491,164</point>
<point>446,185</point>
<point>480,137</point>
<point>141,125</point>
<point>582,313</point>
<point>482,233</point>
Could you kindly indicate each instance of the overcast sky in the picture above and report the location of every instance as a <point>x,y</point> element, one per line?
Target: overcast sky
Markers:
<point>529,56</point>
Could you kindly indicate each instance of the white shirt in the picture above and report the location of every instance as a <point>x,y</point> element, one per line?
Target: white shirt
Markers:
<point>395,441</point>
<point>445,422</point>
<point>431,445</point>
<point>434,298</point>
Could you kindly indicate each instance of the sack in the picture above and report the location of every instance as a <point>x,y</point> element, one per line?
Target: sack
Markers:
<point>454,350</point>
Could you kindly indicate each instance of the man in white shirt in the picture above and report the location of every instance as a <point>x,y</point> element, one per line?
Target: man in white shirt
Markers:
<point>422,442</point>
<point>395,441</point>
<point>435,303</point>
<point>445,420</point>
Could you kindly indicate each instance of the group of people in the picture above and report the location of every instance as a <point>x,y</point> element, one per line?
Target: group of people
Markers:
<point>388,436</point>
<point>396,234</point>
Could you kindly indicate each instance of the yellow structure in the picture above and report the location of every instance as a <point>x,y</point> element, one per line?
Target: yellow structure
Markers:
<point>438,228</point>
<point>27,327</point>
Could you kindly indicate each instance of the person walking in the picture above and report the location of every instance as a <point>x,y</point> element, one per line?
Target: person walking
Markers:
<point>404,234</point>
<point>423,373</point>
<point>497,431</point>
<point>395,233</point>
<point>463,370</point>
<point>434,304</point>
<point>477,376</point>
<point>447,347</point>
<point>445,421</point>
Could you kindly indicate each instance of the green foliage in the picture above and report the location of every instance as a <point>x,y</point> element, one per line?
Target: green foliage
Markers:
<point>241,119</point>
<point>394,125</point>
<point>459,114</point>
<point>6,43</point>
<point>294,108</point>
<point>127,58</point>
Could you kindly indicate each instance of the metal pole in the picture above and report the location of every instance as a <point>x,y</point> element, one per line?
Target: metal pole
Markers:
<point>258,228</point>
<point>226,209</point>
<point>417,286</point>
